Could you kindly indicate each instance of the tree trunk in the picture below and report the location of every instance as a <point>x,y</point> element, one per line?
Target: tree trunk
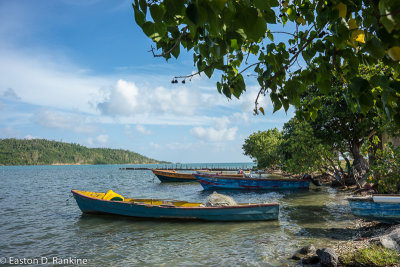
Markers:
<point>360,164</point>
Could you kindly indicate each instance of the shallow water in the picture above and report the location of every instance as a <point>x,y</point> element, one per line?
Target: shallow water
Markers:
<point>39,218</point>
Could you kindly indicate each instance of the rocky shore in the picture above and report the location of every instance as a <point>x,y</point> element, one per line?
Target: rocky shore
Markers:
<point>361,234</point>
<point>358,236</point>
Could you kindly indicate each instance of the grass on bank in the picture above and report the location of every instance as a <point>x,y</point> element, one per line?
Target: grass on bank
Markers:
<point>373,255</point>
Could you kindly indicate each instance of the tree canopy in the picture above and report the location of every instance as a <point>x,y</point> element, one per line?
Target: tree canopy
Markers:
<point>263,146</point>
<point>290,46</point>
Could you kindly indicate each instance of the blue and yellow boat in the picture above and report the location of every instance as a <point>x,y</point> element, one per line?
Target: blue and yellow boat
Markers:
<point>227,182</point>
<point>112,203</point>
<point>380,208</point>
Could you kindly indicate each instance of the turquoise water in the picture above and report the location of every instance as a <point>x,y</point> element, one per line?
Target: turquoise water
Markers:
<point>39,218</point>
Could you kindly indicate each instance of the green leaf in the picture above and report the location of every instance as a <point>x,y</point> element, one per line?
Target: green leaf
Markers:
<point>258,29</point>
<point>219,87</point>
<point>226,90</point>
<point>270,35</point>
<point>269,16</point>
<point>239,86</point>
<point>276,102</point>
<point>234,44</point>
<point>313,115</point>
<point>157,13</point>
<point>143,6</point>
<point>324,85</point>
<point>192,13</point>
<point>366,102</point>
<point>174,7</point>
<point>273,3</point>
<point>285,103</point>
<point>359,85</point>
<point>375,48</point>
<point>209,71</point>
<point>261,4</point>
<point>175,52</point>
<point>140,18</point>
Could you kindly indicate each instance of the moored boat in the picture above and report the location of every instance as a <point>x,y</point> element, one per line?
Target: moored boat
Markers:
<point>111,203</point>
<point>227,182</point>
<point>376,208</point>
<point>173,176</point>
<point>239,173</point>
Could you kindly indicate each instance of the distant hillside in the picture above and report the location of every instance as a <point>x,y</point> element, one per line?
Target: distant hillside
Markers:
<point>45,152</point>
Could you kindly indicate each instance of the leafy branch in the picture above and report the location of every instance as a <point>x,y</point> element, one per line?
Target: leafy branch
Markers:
<point>178,41</point>
<point>286,66</point>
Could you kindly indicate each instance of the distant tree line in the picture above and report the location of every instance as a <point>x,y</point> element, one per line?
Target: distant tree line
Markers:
<point>46,152</point>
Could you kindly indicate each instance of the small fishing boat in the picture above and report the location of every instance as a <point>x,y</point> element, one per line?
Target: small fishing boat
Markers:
<point>173,176</point>
<point>376,208</point>
<point>227,182</point>
<point>112,203</point>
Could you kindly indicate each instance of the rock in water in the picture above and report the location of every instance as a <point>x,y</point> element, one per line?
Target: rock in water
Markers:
<point>216,199</point>
<point>328,257</point>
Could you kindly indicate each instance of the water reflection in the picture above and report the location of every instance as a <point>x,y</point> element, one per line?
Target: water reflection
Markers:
<point>37,220</point>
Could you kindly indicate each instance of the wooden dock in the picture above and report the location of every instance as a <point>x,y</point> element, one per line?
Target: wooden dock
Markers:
<point>180,167</point>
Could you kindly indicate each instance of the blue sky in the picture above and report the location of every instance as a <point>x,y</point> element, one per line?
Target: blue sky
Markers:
<point>80,72</point>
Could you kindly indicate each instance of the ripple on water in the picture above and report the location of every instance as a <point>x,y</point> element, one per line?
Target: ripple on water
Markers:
<point>39,218</point>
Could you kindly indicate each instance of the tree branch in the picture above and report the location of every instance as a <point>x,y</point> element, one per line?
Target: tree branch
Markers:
<point>178,41</point>
<point>288,64</point>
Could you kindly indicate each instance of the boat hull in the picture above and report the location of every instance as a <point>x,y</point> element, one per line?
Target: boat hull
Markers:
<point>215,182</point>
<point>166,176</point>
<point>368,209</point>
<point>253,212</point>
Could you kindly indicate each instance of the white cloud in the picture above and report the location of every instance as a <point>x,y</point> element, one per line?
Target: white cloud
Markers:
<point>122,100</point>
<point>127,99</point>
<point>141,129</point>
<point>48,80</point>
<point>101,139</point>
<point>30,137</point>
<point>217,133</point>
<point>63,121</point>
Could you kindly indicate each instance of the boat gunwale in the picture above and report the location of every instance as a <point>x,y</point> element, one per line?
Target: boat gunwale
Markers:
<point>360,198</point>
<point>248,178</point>
<point>385,195</point>
<point>74,192</point>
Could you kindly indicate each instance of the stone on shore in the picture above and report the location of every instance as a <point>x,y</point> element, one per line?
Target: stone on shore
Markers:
<point>328,257</point>
<point>390,239</point>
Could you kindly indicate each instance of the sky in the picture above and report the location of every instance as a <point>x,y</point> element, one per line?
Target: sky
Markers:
<point>81,72</point>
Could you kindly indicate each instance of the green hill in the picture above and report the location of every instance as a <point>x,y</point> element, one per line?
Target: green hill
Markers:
<point>45,152</point>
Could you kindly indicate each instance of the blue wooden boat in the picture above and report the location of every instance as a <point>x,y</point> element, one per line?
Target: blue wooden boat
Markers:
<point>93,202</point>
<point>383,211</point>
<point>225,182</point>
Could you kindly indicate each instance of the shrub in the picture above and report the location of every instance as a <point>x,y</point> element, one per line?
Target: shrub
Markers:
<point>386,170</point>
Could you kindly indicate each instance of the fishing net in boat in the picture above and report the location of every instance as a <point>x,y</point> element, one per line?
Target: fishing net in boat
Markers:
<point>216,199</point>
